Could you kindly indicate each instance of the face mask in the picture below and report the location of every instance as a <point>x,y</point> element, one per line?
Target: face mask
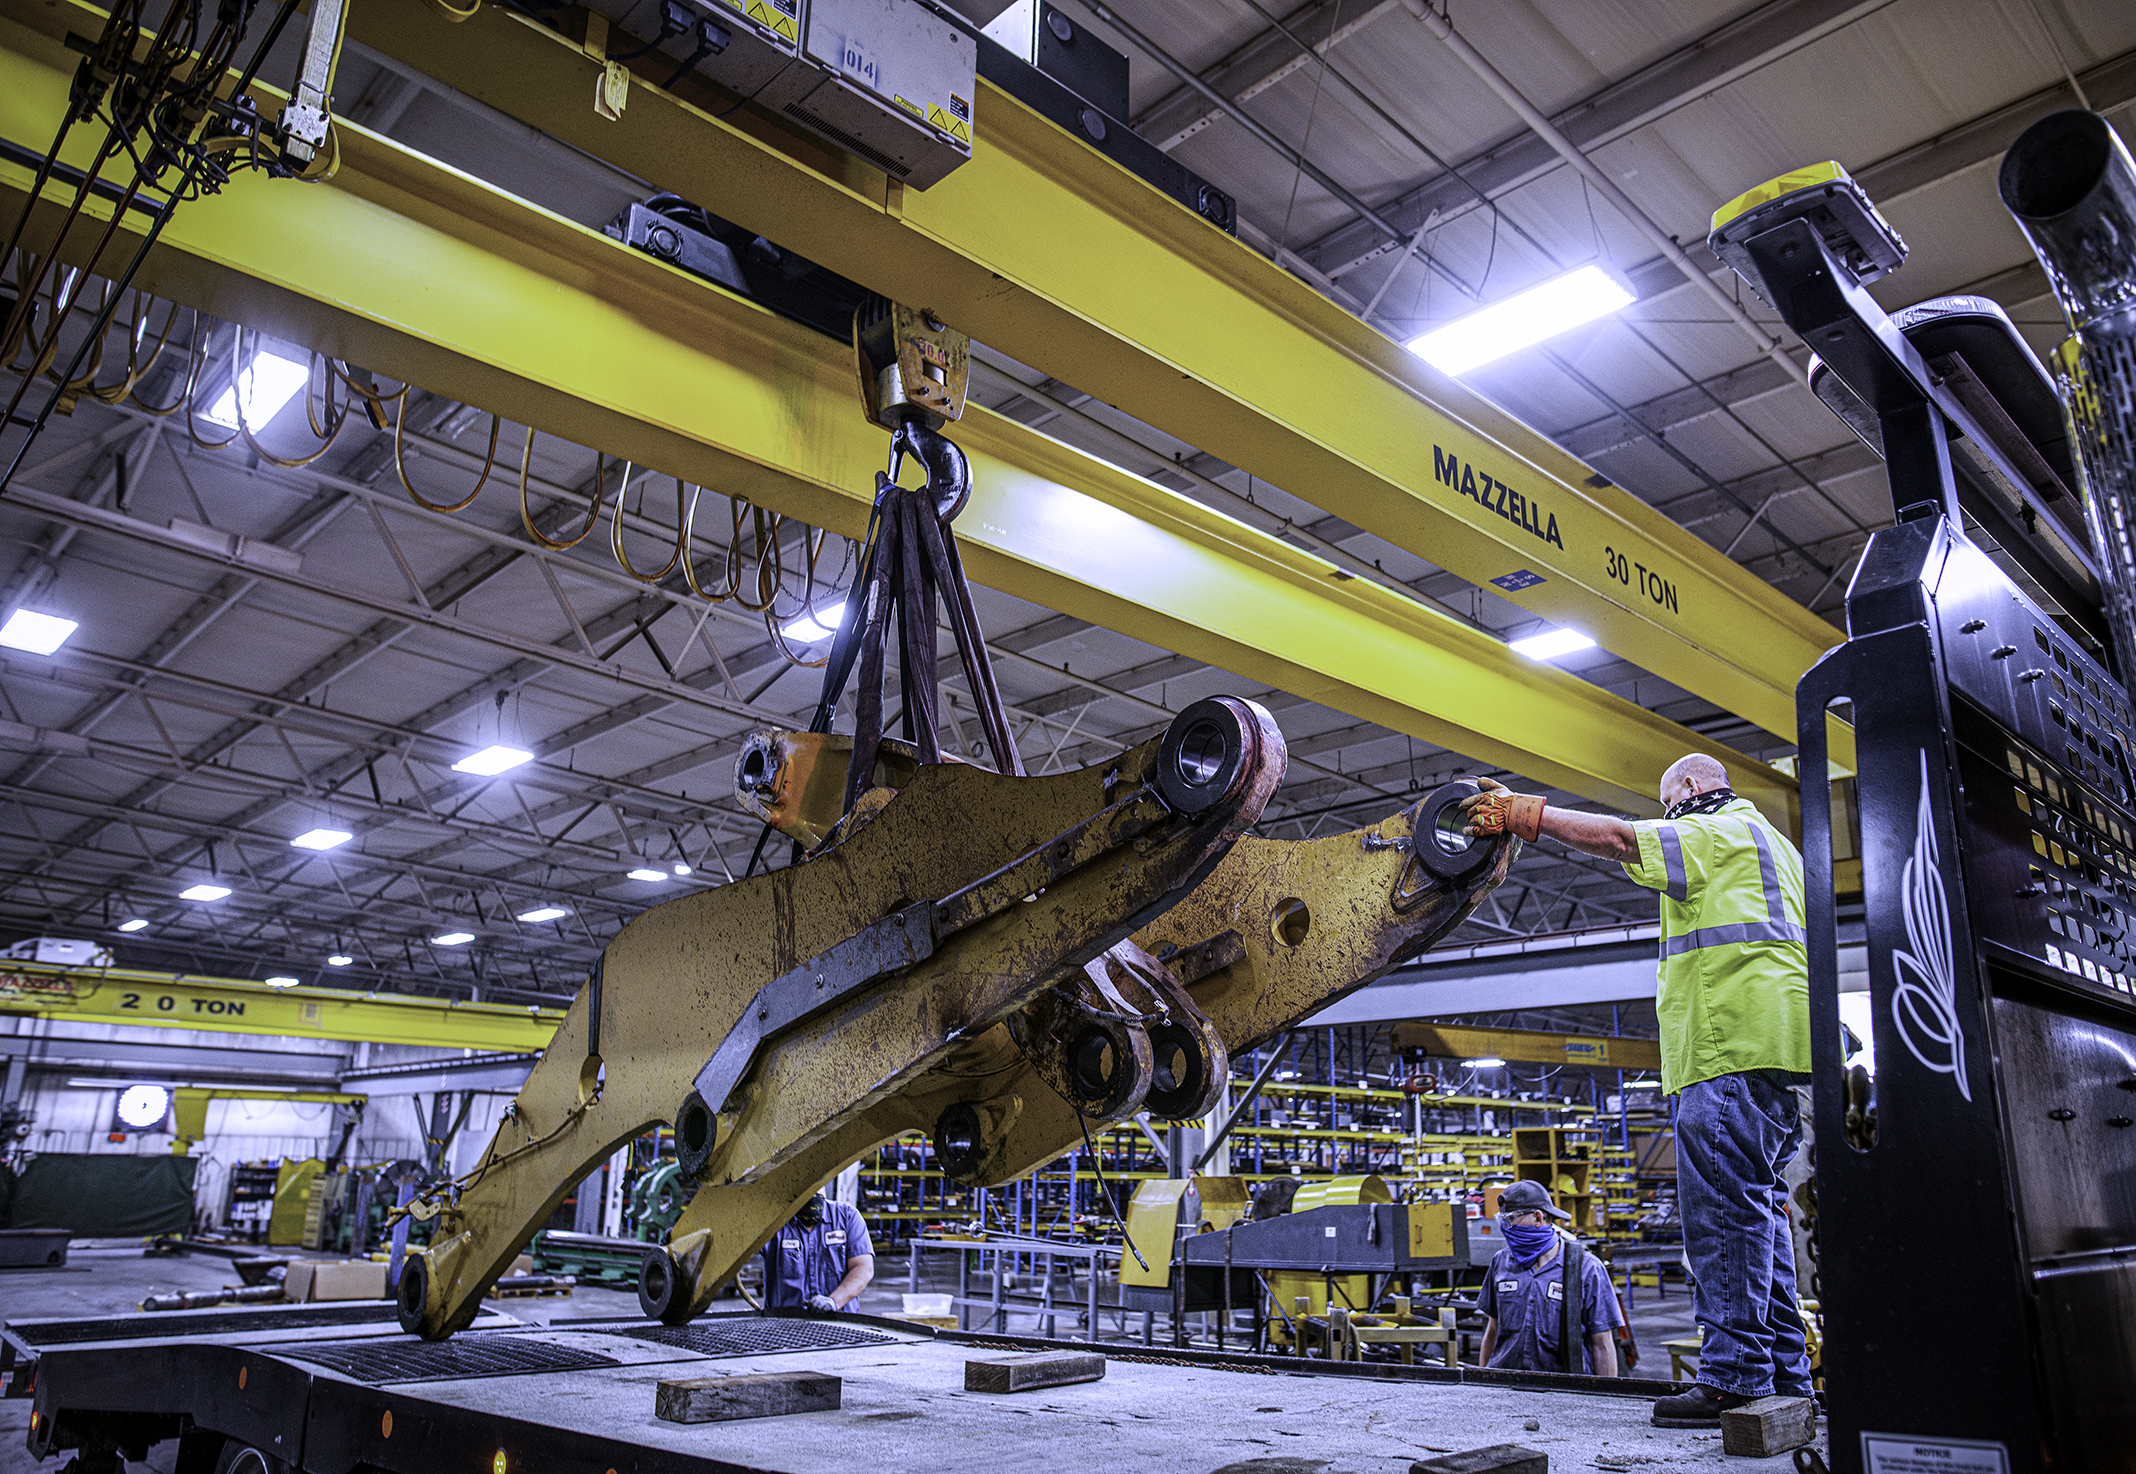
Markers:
<point>1528,1240</point>
<point>811,1213</point>
<point>1702,803</point>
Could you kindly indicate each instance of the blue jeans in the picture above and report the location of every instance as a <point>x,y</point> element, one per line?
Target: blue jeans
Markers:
<point>1735,1136</point>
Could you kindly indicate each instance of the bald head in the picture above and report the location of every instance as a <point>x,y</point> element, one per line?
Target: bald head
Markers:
<point>1690,776</point>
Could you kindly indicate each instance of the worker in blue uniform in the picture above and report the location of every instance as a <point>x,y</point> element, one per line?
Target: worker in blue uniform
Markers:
<point>821,1260</point>
<point>1547,1305</point>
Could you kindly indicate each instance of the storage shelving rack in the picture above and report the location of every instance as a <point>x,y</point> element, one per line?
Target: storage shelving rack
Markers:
<point>1320,1130</point>
<point>250,1203</point>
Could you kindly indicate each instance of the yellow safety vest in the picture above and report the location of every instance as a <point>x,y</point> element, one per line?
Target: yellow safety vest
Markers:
<point>1733,991</point>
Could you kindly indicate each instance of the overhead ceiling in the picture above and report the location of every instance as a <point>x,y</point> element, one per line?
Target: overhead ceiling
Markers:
<point>200,718</point>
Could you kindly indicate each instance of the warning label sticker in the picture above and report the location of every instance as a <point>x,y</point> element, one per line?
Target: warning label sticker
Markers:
<point>1891,1453</point>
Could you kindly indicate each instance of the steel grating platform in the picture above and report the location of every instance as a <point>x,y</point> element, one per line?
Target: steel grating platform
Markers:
<point>484,1354</point>
<point>745,1335</point>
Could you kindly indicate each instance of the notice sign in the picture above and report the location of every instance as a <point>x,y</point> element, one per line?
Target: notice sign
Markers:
<point>1890,1453</point>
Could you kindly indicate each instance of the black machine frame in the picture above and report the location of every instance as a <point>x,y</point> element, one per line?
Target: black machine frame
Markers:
<point>1976,1205</point>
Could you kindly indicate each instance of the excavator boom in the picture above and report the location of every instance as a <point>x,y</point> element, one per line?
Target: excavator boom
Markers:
<point>764,1017</point>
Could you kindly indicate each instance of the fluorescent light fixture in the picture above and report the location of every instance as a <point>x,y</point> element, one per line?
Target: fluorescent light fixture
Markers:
<point>267,382</point>
<point>682,867</point>
<point>1543,311</point>
<point>1488,1062</point>
<point>544,913</point>
<point>339,959</point>
<point>321,839</point>
<point>204,893</point>
<point>1642,1085</point>
<point>453,939</point>
<point>281,980</point>
<point>143,1106</point>
<point>821,627</point>
<point>643,874</point>
<point>491,761</point>
<point>39,634</point>
<point>139,923</point>
<point>1550,644</point>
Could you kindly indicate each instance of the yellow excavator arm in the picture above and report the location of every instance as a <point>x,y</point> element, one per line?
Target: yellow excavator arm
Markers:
<point>1001,962</point>
<point>766,1016</point>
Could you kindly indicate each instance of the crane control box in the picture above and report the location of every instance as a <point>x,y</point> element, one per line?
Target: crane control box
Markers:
<point>889,80</point>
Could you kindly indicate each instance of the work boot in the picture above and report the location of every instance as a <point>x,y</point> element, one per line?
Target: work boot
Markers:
<point>1701,1407</point>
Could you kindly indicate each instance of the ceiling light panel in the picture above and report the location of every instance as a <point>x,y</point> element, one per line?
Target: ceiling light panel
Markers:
<point>38,634</point>
<point>1522,320</point>
<point>491,761</point>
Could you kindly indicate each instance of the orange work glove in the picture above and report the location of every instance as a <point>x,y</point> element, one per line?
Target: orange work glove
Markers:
<point>1499,810</point>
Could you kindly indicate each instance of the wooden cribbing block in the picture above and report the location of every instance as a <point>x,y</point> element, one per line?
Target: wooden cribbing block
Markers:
<point>1771,1425</point>
<point>763,1395</point>
<point>1499,1458</point>
<point>1039,1369</point>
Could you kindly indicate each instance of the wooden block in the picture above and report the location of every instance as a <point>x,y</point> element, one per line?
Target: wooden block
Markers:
<point>1771,1425</point>
<point>1499,1458</point>
<point>1039,1369</point>
<point>296,1281</point>
<point>729,1399</point>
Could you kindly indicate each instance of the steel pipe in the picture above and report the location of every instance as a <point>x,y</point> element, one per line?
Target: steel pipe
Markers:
<point>2071,185</point>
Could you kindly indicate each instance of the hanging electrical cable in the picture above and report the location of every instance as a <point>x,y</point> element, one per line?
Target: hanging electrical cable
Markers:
<point>785,586</point>
<point>615,533</point>
<point>400,465</point>
<point>526,518</point>
<point>169,103</point>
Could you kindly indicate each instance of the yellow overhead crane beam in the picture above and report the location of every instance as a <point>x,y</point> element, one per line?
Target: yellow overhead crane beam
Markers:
<point>1530,1046</point>
<point>419,272</point>
<point>1050,252</point>
<point>117,995</point>
<point>189,1107</point>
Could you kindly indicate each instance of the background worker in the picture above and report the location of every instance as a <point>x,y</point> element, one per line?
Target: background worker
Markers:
<point>1541,1286</point>
<point>1733,1002</point>
<point>821,1260</point>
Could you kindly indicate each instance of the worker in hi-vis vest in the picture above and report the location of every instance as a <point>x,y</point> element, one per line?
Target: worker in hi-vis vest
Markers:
<point>1733,1000</point>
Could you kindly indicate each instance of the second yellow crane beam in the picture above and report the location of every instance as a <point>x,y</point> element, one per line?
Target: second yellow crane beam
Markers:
<point>114,995</point>
<point>1530,1046</point>
<point>1050,252</point>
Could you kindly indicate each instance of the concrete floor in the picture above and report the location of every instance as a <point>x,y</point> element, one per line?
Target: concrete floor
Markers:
<point>1189,1419</point>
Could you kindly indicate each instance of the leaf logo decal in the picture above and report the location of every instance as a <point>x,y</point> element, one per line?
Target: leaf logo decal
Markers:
<point>1924,1002</point>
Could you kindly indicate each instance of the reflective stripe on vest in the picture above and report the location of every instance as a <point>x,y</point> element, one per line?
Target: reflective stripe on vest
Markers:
<point>1672,859</point>
<point>1775,928</point>
<point>1775,909</point>
<point>1738,931</point>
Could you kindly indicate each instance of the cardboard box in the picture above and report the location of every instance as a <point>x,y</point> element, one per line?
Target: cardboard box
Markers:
<point>312,1280</point>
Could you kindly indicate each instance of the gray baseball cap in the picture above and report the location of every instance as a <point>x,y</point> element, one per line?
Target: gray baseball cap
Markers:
<point>1529,1197</point>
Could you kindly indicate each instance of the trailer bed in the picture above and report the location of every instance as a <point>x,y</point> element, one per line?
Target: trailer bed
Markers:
<point>349,1394</point>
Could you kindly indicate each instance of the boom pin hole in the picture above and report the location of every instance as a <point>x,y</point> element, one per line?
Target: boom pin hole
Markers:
<point>1292,922</point>
<point>1201,753</point>
<point>592,1076</point>
<point>1448,826</point>
<point>1095,1062</point>
<point>1173,1064</point>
